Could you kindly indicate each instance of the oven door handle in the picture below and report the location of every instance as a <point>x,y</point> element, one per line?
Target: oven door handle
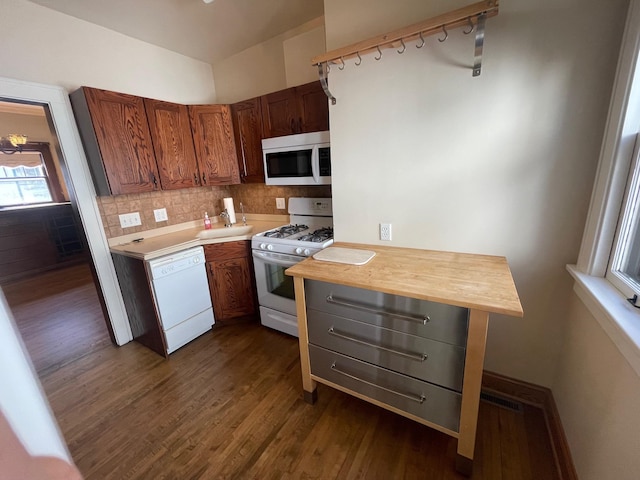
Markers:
<point>270,258</point>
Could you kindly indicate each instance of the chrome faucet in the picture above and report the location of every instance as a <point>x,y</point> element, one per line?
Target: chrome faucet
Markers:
<point>244,219</point>
<point>227,219</point>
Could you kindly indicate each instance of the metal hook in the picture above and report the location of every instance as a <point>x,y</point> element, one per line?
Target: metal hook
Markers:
<point>359,59</point>
<point>379,52</point>
<point>422,44</point>
<point>446,34</point>
<point>341,67</point>
<point>471,27</point>
<point>404,47</point>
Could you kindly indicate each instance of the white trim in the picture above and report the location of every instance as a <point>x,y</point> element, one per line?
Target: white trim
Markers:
<point>616,154</point>
<point>618,318</point>
<point>57,100</point>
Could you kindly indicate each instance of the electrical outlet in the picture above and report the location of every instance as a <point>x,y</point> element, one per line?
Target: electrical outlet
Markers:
<point>280,203</point>
<point>130,220</point>
<point>385,232</point>
<point>160,214</point>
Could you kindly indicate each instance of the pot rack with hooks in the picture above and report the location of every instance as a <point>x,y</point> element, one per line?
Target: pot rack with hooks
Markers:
<point>472,17</point>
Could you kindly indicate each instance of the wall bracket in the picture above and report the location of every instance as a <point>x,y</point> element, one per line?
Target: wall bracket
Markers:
<point>323,73</point>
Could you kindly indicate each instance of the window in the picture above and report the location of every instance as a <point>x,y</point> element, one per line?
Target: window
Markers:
<point>608,267</point>
<point>624,265</point>
<point>28,177</point>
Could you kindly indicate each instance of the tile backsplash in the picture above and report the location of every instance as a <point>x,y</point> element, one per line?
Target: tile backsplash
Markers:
<point>261,198</point>
<point>190,204</point>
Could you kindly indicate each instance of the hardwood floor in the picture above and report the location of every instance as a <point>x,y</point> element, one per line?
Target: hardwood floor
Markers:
<point>58,315</point>
<point>229,406</point>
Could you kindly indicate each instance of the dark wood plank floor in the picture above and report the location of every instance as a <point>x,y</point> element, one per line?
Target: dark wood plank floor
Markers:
<point>229,405</point>
<point>58,315</point>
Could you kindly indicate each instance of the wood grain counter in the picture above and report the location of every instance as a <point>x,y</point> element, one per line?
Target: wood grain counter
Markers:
<point>482,284</point>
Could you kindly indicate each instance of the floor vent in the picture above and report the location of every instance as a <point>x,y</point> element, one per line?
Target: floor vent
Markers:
<point>501,402</point>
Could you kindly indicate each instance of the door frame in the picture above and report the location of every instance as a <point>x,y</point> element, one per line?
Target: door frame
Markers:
<point>82,191</point>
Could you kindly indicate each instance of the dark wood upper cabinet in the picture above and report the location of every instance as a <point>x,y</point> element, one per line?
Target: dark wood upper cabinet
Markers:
<point>115,133</point>
<point>247,129</point>
<point>314,108</point>
<point>279,113</point>
<point>299,109</point>
<point>173,144</point>
<point>212,131</point>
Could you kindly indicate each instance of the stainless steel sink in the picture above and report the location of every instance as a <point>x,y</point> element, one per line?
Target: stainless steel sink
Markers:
<point>222,231</point>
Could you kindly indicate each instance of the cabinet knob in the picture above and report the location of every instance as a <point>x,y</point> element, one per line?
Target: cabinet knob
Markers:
<point>196,180</point>
<point>204,178</point>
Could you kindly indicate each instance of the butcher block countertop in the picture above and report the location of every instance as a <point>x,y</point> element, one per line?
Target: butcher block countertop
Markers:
<point>481,282</point>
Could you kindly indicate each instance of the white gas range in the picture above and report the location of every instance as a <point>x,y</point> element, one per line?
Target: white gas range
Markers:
<point>309,231</point>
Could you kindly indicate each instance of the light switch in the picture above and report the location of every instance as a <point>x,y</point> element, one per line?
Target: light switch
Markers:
<point>280,203</point>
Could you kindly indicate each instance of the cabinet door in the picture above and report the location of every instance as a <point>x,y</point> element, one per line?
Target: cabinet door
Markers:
<point>213,140</point>
<point>123,140</point>
<point>313,106</point>
<point>173,144</point>
<point>231,280</point>
<point>280,113</point>
<point>247,128</point>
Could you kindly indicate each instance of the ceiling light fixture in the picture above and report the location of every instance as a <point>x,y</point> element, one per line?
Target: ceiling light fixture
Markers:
<point>12,143</point>
<point>207,1</point>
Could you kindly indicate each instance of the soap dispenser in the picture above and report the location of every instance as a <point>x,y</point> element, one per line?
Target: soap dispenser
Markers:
<point>207,221</point>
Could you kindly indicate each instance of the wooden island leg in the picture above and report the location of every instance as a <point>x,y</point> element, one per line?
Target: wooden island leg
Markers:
<point>308,384</point>
<point>471,385</point>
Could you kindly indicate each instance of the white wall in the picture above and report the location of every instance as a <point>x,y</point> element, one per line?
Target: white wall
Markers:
<point>597,394</point>
<point>281,62</point>
<point>45,46</point>
<point>498,164</point>
<point>21,398</point>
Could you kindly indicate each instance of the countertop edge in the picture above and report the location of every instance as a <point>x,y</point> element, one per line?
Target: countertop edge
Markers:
<point>184,238</point>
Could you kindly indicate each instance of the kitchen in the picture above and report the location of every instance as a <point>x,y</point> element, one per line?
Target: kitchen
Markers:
<point>536,71</point>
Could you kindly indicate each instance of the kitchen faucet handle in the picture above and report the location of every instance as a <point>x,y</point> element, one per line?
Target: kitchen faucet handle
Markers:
<point>227,220</point>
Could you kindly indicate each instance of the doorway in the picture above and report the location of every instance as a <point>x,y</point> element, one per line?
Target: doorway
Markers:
<point>45,266</point>
<point>66,144</point>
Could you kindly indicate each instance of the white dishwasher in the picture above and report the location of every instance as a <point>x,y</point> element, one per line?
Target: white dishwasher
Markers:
<point>181,296</point>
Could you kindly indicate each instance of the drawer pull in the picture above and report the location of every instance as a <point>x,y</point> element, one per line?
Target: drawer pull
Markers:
<point>414,398</point>
<point>422,319</point>
<point>420,357</point>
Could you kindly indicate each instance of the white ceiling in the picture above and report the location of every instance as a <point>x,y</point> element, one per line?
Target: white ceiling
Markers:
<point>207,32</point>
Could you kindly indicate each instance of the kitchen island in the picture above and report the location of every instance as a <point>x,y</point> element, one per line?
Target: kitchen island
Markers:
<point>405,331</point>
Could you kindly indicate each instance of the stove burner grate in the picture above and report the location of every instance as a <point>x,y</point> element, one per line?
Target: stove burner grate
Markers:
<point>285,231</point>
<point>318,236</point>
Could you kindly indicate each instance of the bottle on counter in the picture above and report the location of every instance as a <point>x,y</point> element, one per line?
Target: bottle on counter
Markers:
<point>207,221</point>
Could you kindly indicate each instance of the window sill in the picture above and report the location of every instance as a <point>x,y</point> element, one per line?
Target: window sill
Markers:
<point>619,319</point>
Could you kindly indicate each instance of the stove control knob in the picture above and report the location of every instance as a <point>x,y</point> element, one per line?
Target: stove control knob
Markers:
<point>307,252</point>
<point>269,247</point>
<point>263,246</point>
<point>299,250</point>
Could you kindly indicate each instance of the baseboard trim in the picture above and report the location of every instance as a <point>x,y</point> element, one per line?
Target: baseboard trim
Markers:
<point>542,398</point>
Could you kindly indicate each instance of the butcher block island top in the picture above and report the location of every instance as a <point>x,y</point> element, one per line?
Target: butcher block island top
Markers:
<point>481,282</point>
<point>352,341</point>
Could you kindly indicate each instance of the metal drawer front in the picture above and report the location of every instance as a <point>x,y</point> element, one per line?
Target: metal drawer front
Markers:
<point>429,360</point>
<point>437,321</point>
<point>430,402</point>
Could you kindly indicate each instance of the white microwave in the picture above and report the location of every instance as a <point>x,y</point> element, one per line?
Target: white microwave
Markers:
<point>303,159</point>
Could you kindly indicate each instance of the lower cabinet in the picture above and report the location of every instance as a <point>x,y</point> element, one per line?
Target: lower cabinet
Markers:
<point>231,281</point>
